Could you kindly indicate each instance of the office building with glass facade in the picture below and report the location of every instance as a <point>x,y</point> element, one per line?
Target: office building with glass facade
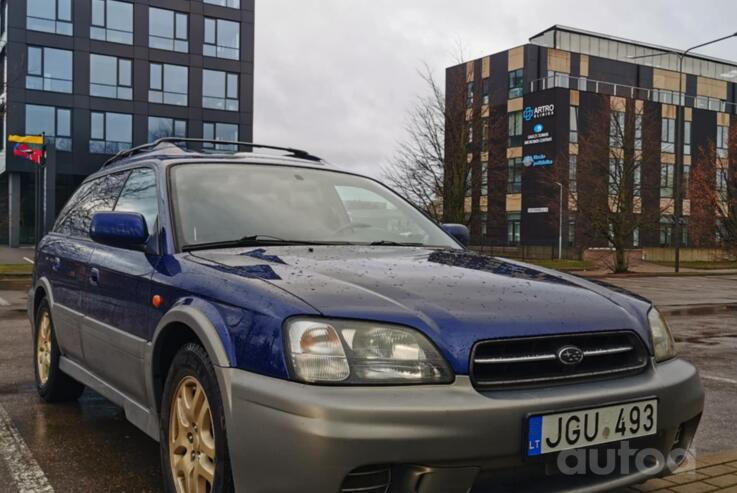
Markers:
<point>99,76</point>
<point>529,113</point>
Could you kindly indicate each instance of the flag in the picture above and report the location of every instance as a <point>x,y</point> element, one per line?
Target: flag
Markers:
<point>27,152</point>
<point>26,139</point>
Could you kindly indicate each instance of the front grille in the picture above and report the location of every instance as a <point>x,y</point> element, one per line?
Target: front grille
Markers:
<point>368,479</point>
<point>534,361</point>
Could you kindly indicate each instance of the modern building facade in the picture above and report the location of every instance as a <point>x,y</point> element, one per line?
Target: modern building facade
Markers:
<point>528,108</point>
<point>99,76</point>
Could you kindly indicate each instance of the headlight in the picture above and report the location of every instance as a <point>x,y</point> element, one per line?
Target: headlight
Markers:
<point>663,344</point>
<point>353,352</point>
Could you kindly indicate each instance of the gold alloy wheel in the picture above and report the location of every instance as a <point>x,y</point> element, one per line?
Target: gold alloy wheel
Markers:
<point>191,439</point>
<point>43,348</point>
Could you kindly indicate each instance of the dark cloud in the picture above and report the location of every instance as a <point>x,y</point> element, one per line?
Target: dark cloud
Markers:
<point>337,76</point>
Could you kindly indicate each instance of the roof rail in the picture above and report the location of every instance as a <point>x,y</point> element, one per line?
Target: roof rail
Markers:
<point>298,153</point>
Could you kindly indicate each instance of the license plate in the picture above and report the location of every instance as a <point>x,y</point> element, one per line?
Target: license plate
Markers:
<point>565,431</point>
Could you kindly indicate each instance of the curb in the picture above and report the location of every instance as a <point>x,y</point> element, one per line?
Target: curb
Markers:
<point>653,274</point>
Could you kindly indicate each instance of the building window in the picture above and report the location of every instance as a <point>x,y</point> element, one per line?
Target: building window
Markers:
<point>167,30</point>
<point>513,228</point>
<point>636,237</point>
<point>51,16</point>
<point>573,125</point>
<point>159,127</point>
<point>666,181</point>
<point>721,184</point>
<point>637,178</point>
<point>722,142</point>
<point>233,4</point>
<point>110,133</point>
<point>686,179</point>
<point>687,138</point>
<point>112,21</point>
<point>616,129</point>
<point>469,133</point>
<point>219,90</point>
<point>484,221</point>
<point>54,123</point>
<point>668,137</point>
<point>557,79</point>
<point>168,84</point>
<point>615,178</point>
<point>666,231</point>
<point>485,135</point>
<point>469,94</point>
<point>572,231</point>
<point>514,127</point>
<point>514,175</point>
<point>516,83</point>
<point>484,178</point>
<point>111,77</point>
<point>49,69</point>
<point>485,90</point>
<point>572,173</point>
<point>220,131</point>
<point>638,132</point>
<point>222,39</point>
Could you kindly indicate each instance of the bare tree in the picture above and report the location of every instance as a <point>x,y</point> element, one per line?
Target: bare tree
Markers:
<point>416,171</point>
<point>436,135</point>
<point>610,183</point>
<point>713,193</point>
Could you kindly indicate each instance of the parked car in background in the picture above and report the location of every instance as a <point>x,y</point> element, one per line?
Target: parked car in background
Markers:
<point>281,325</point>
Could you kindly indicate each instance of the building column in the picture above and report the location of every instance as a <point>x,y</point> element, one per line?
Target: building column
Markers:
<point>14,210</point>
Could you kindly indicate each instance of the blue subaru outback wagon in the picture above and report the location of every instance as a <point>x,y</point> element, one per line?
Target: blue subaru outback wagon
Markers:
<point>280,325</point>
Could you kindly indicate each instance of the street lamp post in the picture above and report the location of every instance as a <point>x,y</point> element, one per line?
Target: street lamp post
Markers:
<point>680,143</point>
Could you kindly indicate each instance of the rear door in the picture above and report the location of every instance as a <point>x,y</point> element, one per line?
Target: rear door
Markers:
<point>117,301</point>
<point>65,254</point>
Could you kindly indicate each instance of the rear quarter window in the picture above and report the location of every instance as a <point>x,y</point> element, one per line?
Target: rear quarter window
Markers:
<point>97,195</point>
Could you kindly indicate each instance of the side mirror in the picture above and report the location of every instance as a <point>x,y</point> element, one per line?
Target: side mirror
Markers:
<point>459,232</point>
<point>119,229</point>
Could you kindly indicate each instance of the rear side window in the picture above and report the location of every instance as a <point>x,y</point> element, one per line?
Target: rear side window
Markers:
<point>139,195</point>
<point>98,195</point>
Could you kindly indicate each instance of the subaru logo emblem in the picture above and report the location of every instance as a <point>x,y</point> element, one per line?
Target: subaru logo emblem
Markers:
<point>528,113</point>
<point>570,355</point>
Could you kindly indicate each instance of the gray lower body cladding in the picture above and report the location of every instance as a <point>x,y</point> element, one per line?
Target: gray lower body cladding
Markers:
<point>289,437</point>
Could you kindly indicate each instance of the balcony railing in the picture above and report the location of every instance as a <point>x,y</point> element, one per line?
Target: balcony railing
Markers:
<point>622,90</point>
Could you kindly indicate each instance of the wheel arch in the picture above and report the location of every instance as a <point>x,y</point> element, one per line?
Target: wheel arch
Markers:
<point>181,325</point>
<point>41,290</point>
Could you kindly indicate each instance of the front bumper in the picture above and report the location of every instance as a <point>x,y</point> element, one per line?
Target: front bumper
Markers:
<point>286,437</point>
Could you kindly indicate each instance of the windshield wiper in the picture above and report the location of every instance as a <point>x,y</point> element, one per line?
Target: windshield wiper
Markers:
<point>394,243</point>
<point>256,240</point>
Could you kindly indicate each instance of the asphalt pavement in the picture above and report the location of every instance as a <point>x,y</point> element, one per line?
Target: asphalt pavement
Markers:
<point>89,446</point>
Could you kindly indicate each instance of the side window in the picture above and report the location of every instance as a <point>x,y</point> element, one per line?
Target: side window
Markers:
<point>139,195</point>
<point>94,196</point>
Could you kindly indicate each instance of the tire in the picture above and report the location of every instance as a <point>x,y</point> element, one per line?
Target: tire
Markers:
<point>190,452</point>
<point>52,384</point>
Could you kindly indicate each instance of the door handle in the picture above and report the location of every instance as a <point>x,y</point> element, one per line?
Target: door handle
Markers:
<point>94,276</point>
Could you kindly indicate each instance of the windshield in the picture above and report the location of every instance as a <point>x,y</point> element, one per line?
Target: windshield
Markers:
<point>230,202</point>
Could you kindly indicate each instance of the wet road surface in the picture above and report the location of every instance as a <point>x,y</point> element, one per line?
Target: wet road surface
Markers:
<point>89,446</point>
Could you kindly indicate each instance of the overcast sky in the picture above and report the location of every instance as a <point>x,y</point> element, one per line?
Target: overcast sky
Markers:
<point>337,77</point>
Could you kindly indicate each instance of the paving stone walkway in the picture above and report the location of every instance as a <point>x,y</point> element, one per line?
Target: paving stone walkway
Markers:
<point>713,472</point>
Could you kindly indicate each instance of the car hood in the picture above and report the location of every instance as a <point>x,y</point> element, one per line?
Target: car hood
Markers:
<point>455,297</point>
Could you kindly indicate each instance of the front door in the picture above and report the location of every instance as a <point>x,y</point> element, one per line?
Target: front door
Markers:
<point>117,301</point>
